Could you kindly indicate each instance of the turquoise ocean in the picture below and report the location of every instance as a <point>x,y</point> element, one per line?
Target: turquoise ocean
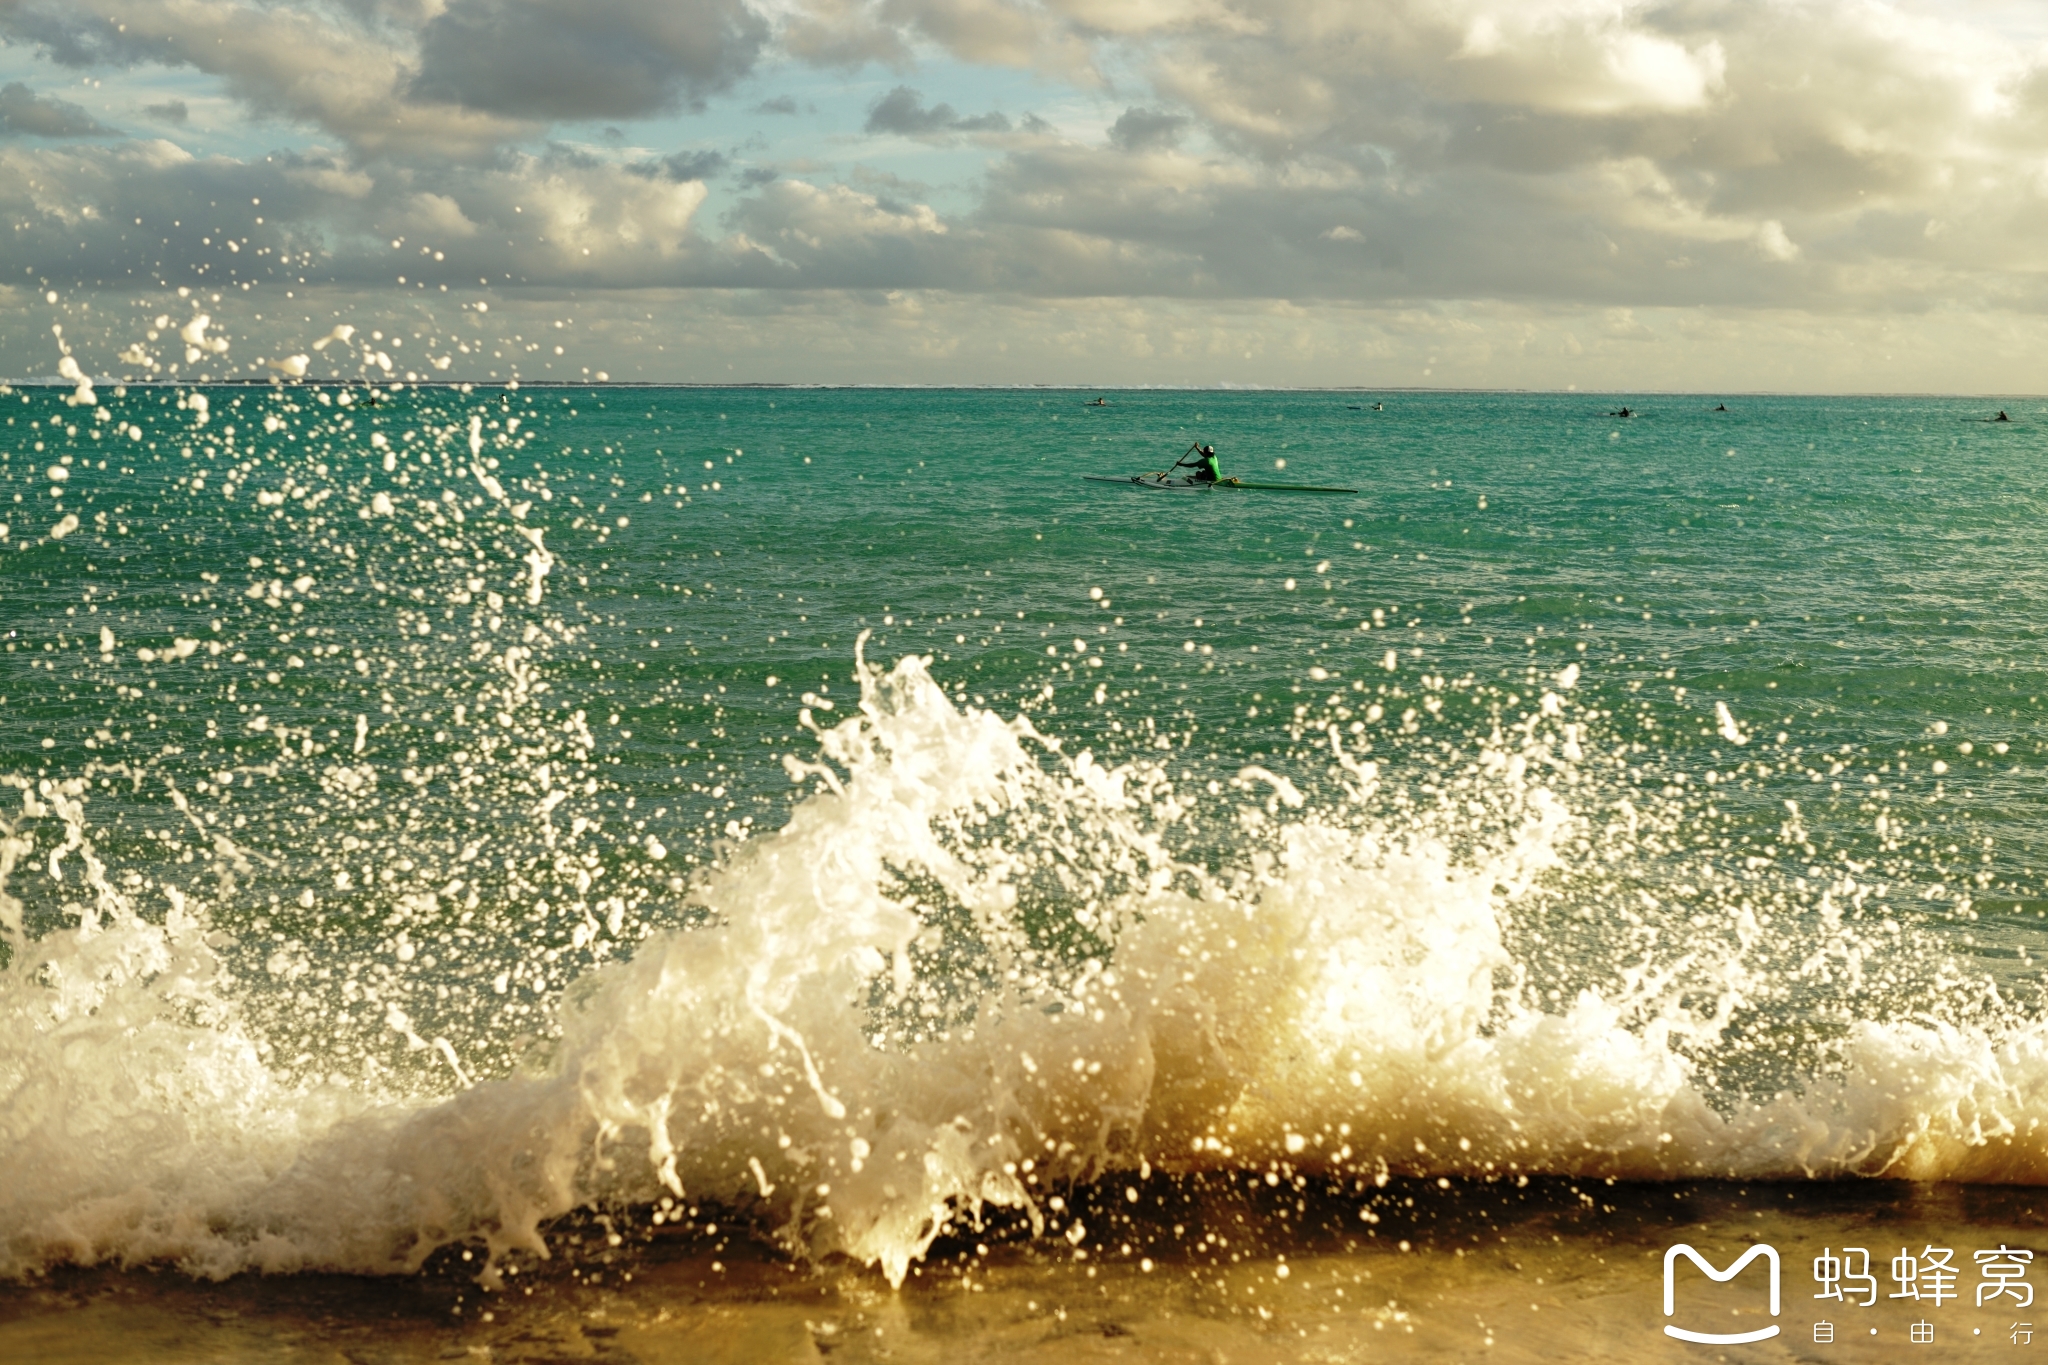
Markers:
<point>434,816</point>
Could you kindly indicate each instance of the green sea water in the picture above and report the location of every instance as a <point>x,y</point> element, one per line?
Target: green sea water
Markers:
<point>393,732</point>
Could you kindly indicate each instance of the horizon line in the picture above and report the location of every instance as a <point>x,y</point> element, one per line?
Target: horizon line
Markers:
<point>513,385</point>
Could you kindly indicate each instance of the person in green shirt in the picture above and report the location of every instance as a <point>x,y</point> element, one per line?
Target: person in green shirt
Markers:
<point>1201,460</point>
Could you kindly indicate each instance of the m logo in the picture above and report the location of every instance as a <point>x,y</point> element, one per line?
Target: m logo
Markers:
<point>1719,1277</point>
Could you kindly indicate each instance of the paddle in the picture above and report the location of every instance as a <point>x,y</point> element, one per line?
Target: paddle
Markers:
<point>1184,462</point>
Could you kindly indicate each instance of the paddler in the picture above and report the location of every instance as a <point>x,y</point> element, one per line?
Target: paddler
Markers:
<point>1201,460</point>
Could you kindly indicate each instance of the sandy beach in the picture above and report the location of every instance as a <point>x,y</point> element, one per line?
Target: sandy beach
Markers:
<point>1554,1272</point>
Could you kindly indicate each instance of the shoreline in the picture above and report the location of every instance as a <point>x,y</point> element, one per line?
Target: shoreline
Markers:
<point>1218,1268</point>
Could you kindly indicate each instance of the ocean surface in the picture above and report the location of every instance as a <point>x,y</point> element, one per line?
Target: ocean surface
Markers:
<point>472,831</point>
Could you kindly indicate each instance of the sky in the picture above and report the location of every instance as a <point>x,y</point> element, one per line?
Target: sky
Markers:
<point>1790,195</point>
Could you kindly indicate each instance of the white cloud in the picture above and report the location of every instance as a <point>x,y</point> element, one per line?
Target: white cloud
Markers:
<point>1581,60</point>
<point>1773,244</point>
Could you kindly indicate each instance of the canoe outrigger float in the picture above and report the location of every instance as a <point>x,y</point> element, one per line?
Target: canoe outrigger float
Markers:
<point>1169,483</point>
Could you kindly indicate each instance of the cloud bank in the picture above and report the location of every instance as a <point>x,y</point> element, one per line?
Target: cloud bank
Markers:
<point>1827,159</point>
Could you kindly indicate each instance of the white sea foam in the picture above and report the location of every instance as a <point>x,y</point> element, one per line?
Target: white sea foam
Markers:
<point>1344,1001</point>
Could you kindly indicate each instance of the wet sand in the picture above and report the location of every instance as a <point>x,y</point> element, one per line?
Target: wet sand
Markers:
<point>1217,1272</point>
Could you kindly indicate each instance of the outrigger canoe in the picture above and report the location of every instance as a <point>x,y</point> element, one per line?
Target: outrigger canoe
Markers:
<point>1168,483</point>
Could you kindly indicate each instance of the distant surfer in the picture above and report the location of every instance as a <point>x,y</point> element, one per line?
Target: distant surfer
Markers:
<point>1722,408</point>
<point>1098,403</point>
<point>1379,407</point>
<point>2001,416</point>
<point>1202,463</point>
<point>1623,412</point>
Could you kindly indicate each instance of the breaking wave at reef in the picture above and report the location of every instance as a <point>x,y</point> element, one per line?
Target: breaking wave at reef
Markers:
<point>973,968</point>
